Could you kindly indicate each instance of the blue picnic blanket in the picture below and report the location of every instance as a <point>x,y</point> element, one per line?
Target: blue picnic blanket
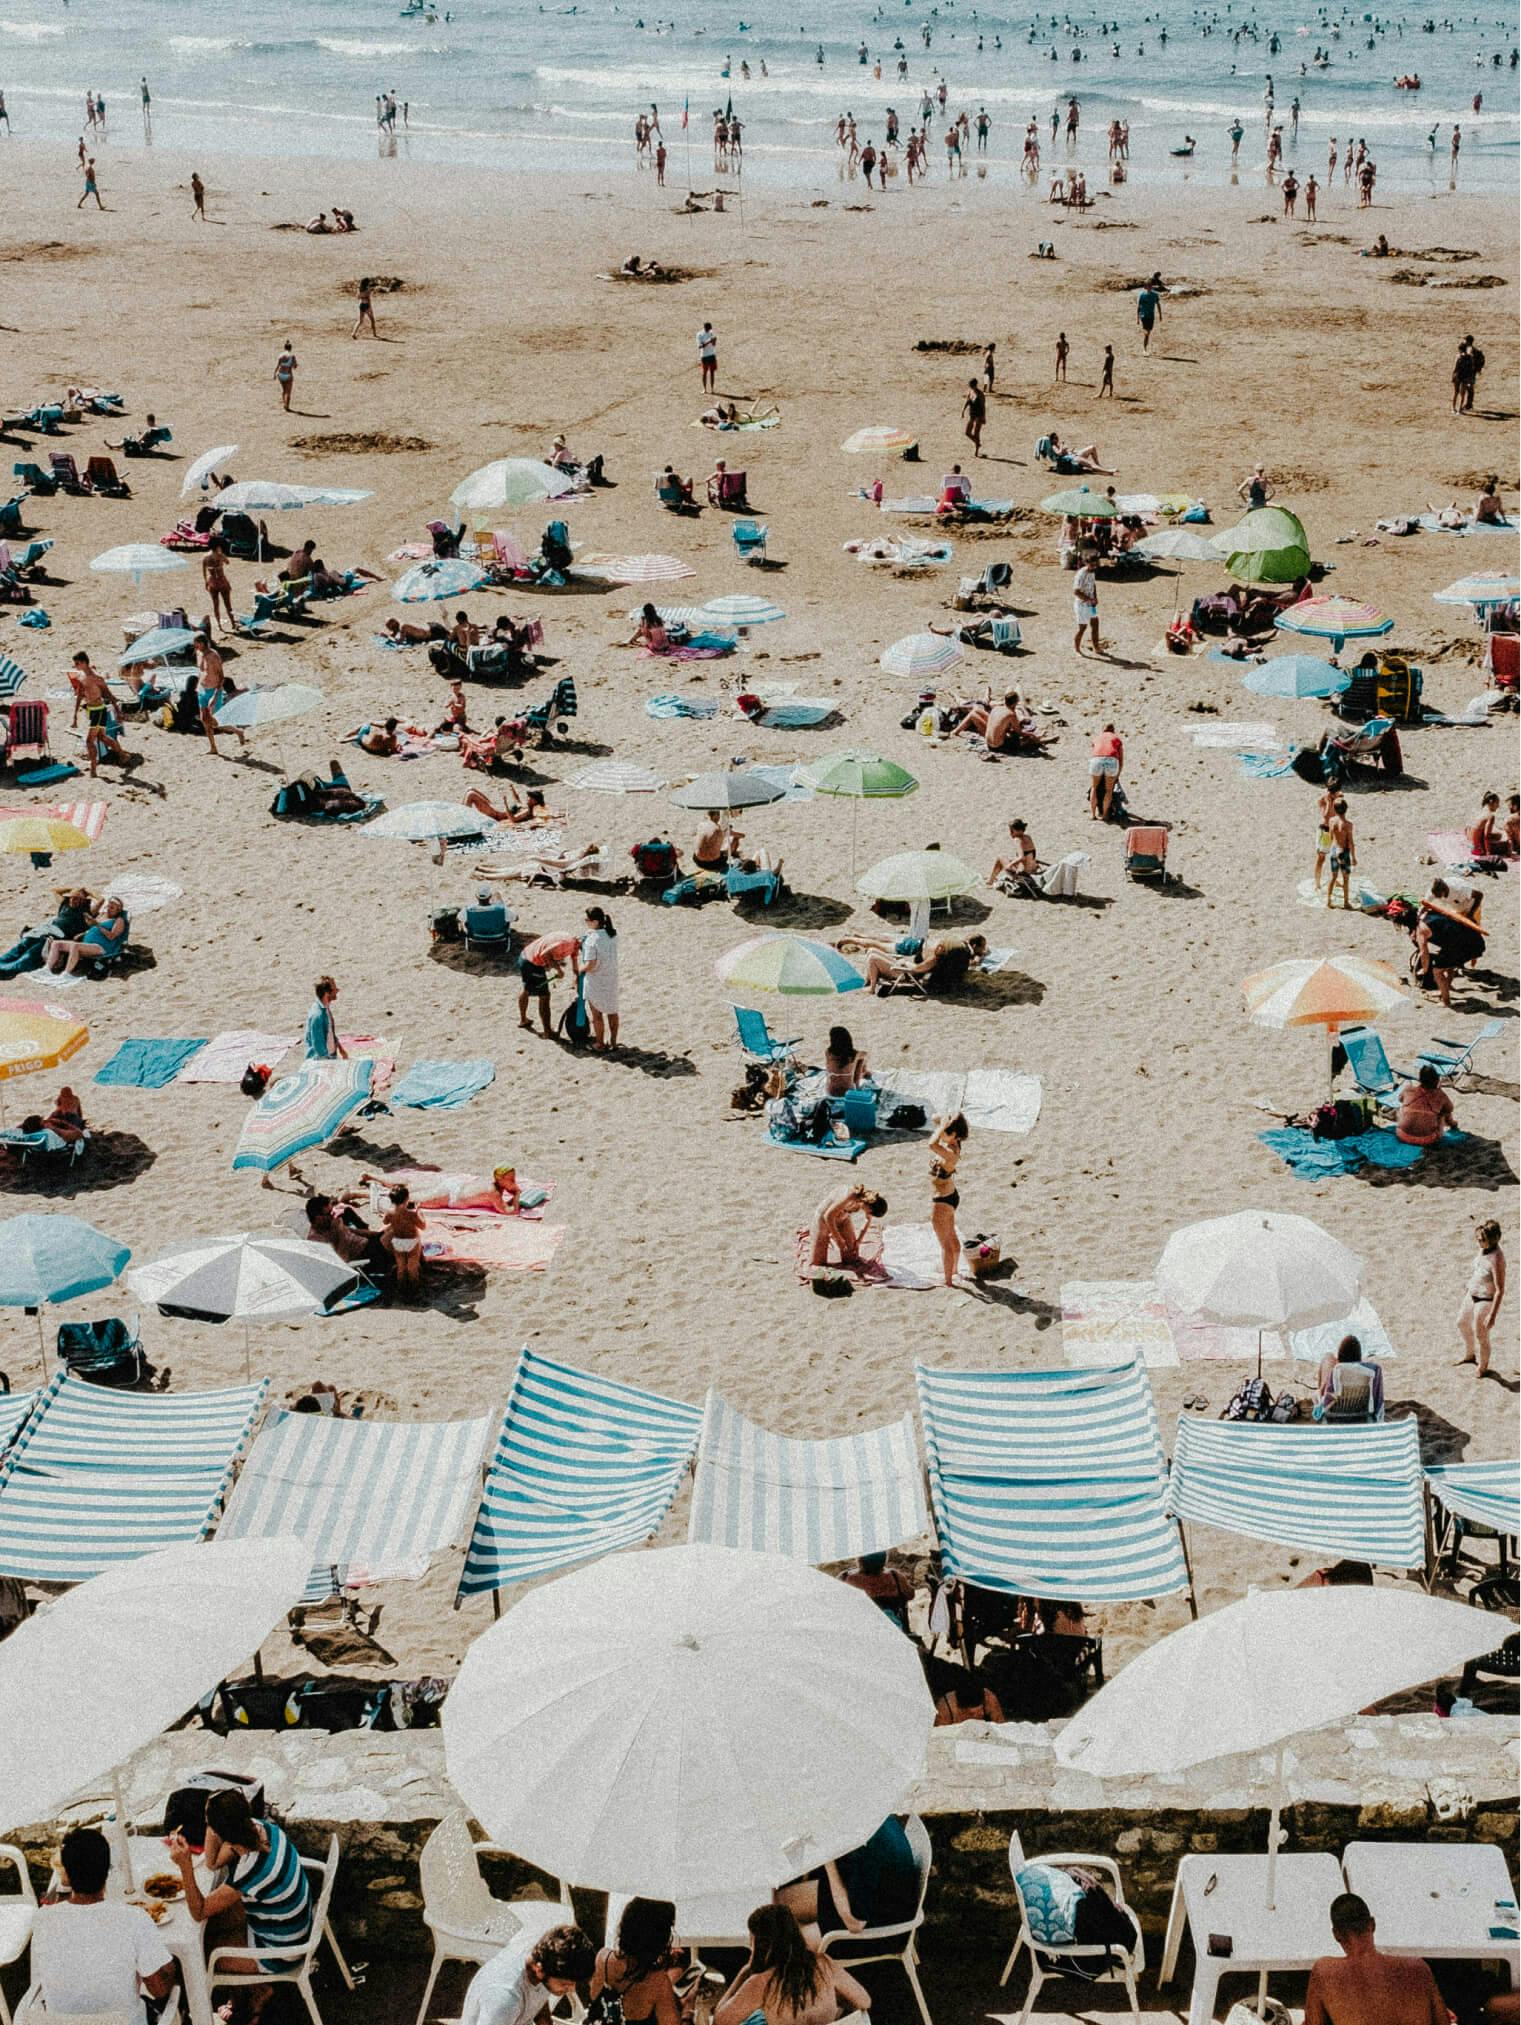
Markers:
<point>1315,1159</point>
<point>148,1064</point>
<point>1267,765</point>
<point>680,706</point>
<point>442,1086</point>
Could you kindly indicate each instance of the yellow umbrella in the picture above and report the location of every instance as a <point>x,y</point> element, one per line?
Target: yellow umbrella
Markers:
<point>40,833</point>
<point>35,1037</point>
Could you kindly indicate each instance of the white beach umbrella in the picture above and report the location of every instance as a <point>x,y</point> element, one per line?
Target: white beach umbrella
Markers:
<point>510,481</point>
<point>917,876</point>
<point>109,1666</point>
<point>922,655</point>
<point>201,468</point>
<point>687,1722</point>
<point>631,569</point>
<point>138,559</point>
<point>1177,544</point>
<point>614,777</point>
<point>245,1276</point>
<point>268,703</point>
<point>741,608</point>
<point>1263,1670</point>
<point>271,495</point>
<point>429,823</point>
<point>1259,1269</point>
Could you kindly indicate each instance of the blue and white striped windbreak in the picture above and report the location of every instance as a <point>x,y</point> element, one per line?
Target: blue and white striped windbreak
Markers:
<point>96,1477</point>
<point>815,1500</point>
<point>12,675</point>
<point>1350,1492</point>
<point>14,1408</point>
<point>1484,1493</point>
<point>583,1466</point>
<point>371,1498</point>
<point>1050,1483</point>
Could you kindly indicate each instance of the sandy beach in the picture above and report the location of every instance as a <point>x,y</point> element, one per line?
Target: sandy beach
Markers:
<point>1278,344</point>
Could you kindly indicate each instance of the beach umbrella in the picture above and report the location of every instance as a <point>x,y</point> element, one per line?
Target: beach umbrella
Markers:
<point>614,777</point>
<point>138,559</point>
<point>1296,675</point>
<point>268,703</point>
<point>117,1660</point>
<point>1265,1669</point>
<point>1328,991</point>
<point>739,788</point>
<point>508,482</point>
<point>922,655</point>
<point>1258,1270</point>
<point>40,834</point>
<point>35,1037</point>
<point>740,608</point>
<point>301,1110</point>
<point>1079,503</point>
<point>1267,546</point>
<point>157,644</point>
<point>47,1259</point>
<point>1153,502</point>
<point>1484,588</point>
<point>201,468</point>
<point>687,1722</point>
<point>877,441</point>
<point>12,674</point>
<point>1335,619</point>
<point>1178,544</point>
<point>429,823</point>
<point>443,577</point>
<point>862,776</point>
<point>917,878</point>
<point>797,966</point>
<point>632,569</point>
<point>269,495</point>
<point>245,1277</point>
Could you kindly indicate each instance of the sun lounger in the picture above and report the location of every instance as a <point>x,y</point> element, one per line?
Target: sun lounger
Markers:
<point>1452,1060</point>
<point>749,541</point>
<point>694,890</point>
<point>102,477</point>
<point>757,1040</point>
<point>1146,853</point>
<point>43,1145</point>
<point>35,479</point>
<point>11,521</point>
<point>66,471</point>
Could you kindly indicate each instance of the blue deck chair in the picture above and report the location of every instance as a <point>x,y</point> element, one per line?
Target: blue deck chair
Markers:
<point>1372,1072</point>
<point>1451,1059</point>
<point>107,1353</point>
<point>757,1040</point>
<point>488,926</point>
<point>43,483</point>
<point>763,886</point>
<point>749,541</point>
<point>10,515</point>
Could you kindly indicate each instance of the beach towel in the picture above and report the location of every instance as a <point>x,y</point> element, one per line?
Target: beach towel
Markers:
<point>142,893</point>
<point>442,1086</point>
<point>1450,849</point>
<point>1313,1159</point>
<point>1367,897</point>
<point>508,1244</point>
<point>918,502</point>
<point>1266,765</point>
<point>148,1064</point>
<point>1108,1321</point>
<point>427,1182</point>
<point>796,714</point>
<point>1432,525</point>
<point>1237,737</point>
<point>371,1048</point>
<point>995,960</point>
<point>1001,1100</point>
<point>938,1092</point>
<point>821,1149</point>
<point>35,617</point>
<point>224,1058</point>
<point>680,706</point>
<point>1310,1345</point>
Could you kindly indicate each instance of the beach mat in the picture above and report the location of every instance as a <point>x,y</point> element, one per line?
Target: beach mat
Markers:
<point>142,892</point>
<point>371,1048</point>
<point>442,1086</point>
<point>1432,525</point>
<point>1450,849</point>
<point>821,1149</point>
<point>1266,765</point>
<point>226,1056</point>
<point>1313,1159</point>
<point>505,1244</point>
<point>1237,737</point>
<point>148,1064</point>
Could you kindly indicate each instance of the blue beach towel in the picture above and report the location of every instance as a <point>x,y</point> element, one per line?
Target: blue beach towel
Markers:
<point>44,776</point>
<point>148,1064</point>
<point>1267,765</point>
<point>1315,1159</point>
<point>35,617</point>
<point>823,1149</point>
<point>442,1086</point>
<point>1433,525</point>
<point>680,706</point>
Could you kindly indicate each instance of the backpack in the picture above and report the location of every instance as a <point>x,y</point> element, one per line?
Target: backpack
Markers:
<point>575,1021</point>
<point>1340,1118</point>
<point>1251,1400</point>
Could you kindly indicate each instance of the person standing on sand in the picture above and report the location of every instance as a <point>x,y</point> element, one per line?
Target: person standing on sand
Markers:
<point>945,1197</point>
<point>1237,133</point>
<point>366,309</point>
<point>1106,384</point>
<point>1342,854</point>
<point>1105,764</point>
<point>91,187</point>
<point>1482,1298</point>
<point>707,357</point>
<point>1290,193</point>
<point>322,1042</point>
<point>1062,349</point>
<point>1456,149</point>
<point>1085,608</point>
<point>197,197</point>
<point>1462,374</point>
<point>660,165</point>
<point>1148,308</point>
<point>974,413</point>
<point>4,115</point>
<point>285,375</point>
<point>218,587</point>
<point>1311,192</point>
<point>989,364</point>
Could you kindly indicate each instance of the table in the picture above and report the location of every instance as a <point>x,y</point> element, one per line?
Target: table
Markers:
<point>180,1934</point>
<point>1294,1935</point>
<point>1435,1899</point>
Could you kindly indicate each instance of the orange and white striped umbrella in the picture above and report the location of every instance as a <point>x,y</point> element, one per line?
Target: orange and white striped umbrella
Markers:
<point>1323,991</point>
<point>36,1037</point>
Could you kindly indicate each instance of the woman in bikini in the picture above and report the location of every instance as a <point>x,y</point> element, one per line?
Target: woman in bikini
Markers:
<point>631,1984</point>
<point>784,1982</point>
<point>945,1197</point>
<point>527,810</point>
<point>218,586</point>
<point>403,1228</point>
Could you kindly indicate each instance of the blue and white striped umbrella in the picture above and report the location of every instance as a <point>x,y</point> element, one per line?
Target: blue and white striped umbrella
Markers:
<point>741,608</point>
<point>443,577</point>
<point>301,1110</point>
<point>55,1258</point>
<point>1483,588</point>
<point>12,675</point>
<point>1483,1492</point>
<point>156,645</point>
<point>921,655</point>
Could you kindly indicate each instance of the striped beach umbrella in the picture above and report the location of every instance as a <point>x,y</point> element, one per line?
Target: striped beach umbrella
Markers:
<point>1483,588</point>
<point>877,441</point>
<point>426,822</point>
<point>740,608</point>
<point>632,569</point>
<point>35,1037</point>
<point>1326,991</point>
<point>614,777</point>
<point>1335,619</point>
<point>300,1111</point>
<point>797,966</point>
<point>443,577</point>
<point>865,776</point>
<point>922,655</point>
<point>509,482</point>
<point>88,817</point>
<point>247,1277</point>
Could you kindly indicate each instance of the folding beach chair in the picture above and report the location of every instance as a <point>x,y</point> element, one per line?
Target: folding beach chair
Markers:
<point>102,476</point>
<point>1371,1070</point>
<point>1356,1397</point>
<point>10,515</point>
<point>66,471</point>
<point>35,479</point>
<point>107,1353</point>
<point>766,887</point>
<point>1109,1962</point>
<point>1146,853</point>
<point>728,489</point>
<point>1450,1066</point>
<point>757,1040</point>
<point>28,731</point>
<point>749,541</point>
<point>487,927</point>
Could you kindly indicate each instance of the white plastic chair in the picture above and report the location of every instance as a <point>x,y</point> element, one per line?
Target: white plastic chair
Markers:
<point>32,2013</point>
<point>298,1962</point>
<point>467,1923</point>
<point>17,1913</point>
<point>1131,1961</point>
<point>853,1951</point>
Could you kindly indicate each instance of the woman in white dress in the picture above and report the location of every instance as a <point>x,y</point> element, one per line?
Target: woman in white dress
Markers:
<point>599,966</point>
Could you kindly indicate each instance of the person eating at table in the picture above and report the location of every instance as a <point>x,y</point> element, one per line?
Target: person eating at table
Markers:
<point>92,1957</point>
<point>1364,1986</point>
<point>262,1901</point>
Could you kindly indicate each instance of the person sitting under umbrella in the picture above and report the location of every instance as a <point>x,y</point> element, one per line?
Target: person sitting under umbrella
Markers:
<point>634,1974</point>
<point>263,1901</point>
<point>876,1885</point>
<point>92,1955</point>
<point>784,1982</point>
<point>1425,1110</point>
<point>716,843</point>
<point>1364,1983</point>
<point>938,963</point>
<point>1349,1351</point>
<point>529,1974</point>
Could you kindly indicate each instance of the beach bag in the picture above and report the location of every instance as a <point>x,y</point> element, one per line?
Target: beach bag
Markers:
<point>254,1080</point>
<point>1339,1118</point>
<point>1051,1898</point>
<point>1251,1400</point>
<point>825,1281</point>
<point>575,1021</point>
<point>907,1118</point>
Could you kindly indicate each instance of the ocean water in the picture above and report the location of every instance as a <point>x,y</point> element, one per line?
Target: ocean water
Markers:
<point>516,84</point>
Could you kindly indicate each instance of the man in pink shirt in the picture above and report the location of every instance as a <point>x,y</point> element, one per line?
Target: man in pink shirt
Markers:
<point>1104,772</point>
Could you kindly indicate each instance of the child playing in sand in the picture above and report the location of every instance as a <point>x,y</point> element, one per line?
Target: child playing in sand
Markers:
<point>402,1231</point>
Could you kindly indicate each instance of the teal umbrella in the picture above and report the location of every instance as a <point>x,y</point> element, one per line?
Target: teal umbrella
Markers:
<point>301,1110</point>
<point>47,1259</point>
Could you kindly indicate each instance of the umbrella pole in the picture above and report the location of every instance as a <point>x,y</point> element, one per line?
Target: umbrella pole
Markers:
<point>122,1834</point>
<point>42,1341</point>
<point>1274,1836</point>
<point>247,1354</point>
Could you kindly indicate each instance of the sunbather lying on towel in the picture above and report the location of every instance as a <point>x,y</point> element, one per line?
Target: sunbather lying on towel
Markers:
<point>499,1194</point>
<point>406,634</point>
<point>381,741</point>
<point>936,963</point>
<point>525,809</point>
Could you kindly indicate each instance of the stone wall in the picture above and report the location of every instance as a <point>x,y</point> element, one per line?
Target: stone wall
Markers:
<point>1397,1777</point>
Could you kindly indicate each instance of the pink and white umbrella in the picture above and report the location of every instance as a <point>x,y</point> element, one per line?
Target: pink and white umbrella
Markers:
<point>632,569</point>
